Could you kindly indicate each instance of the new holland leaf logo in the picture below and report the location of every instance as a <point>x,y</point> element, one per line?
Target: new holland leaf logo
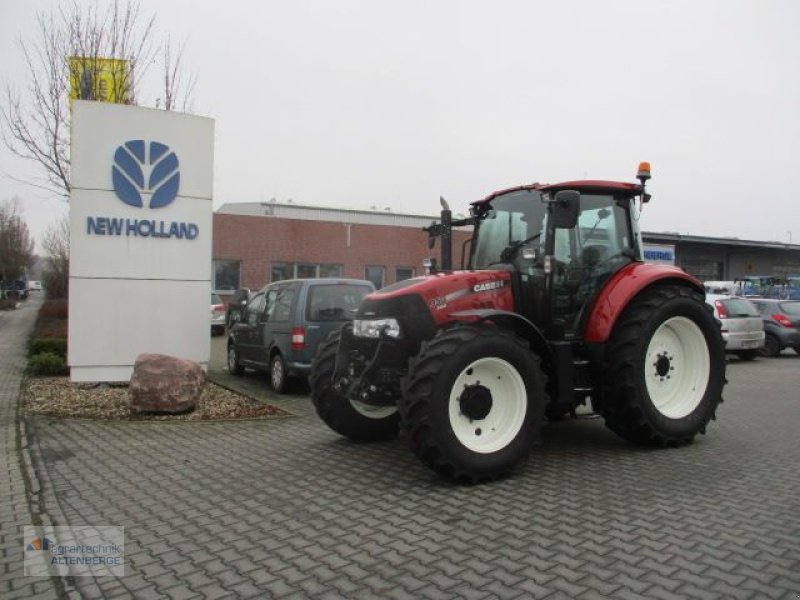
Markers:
<point>141,169</point>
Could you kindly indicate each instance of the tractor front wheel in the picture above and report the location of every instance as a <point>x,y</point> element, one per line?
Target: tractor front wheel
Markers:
<point>665,368</point>
<point>354,420</point>
<point>473,402</point>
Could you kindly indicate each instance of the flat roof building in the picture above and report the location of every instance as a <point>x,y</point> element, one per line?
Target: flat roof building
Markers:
<point>256,243</point>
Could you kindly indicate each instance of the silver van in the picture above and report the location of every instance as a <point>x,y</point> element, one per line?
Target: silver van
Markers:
<point>281,325</point>
<point>741,325</point>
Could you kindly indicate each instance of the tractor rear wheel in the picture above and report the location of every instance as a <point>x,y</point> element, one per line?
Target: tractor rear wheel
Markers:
<point>354,420</point>
<point>473,402</point>
<point>665,368</point>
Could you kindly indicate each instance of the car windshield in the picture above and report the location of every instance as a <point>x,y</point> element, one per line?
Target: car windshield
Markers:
<point>215,299</point>
<point>739,307</point>
<point>335,302</point>
<point>791,308</point>
<point>514,217</point>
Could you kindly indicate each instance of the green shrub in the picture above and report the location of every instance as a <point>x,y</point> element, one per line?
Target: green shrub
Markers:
<point>51,345</point>
<point>47,363</point>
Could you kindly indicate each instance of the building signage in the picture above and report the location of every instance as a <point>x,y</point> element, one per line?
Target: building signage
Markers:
<point>661,254</point>
<point>144,171</point>
<point>140,235</point>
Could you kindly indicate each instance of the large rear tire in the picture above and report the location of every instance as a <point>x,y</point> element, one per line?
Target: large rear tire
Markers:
<point>665,368</point>
<point>473,402</point>
<point>354,420</point>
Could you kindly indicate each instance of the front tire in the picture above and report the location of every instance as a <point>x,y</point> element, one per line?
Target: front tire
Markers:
<point>665,368</point>
<point>354,420</point>
<point>473,402</point>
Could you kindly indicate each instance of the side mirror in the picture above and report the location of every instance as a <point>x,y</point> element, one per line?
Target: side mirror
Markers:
<point>240,297</point>
<point>566,207</point>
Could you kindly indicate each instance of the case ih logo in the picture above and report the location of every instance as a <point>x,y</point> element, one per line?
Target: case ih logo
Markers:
<point>489,285</point>
<point>141,168</point>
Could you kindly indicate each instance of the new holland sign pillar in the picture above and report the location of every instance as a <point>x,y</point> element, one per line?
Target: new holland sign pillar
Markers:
<point>140,238</point>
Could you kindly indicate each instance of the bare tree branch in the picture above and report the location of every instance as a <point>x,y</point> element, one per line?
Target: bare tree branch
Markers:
<point>72,47</point>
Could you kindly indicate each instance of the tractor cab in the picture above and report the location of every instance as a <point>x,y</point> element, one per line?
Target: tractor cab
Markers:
<point>561,242</point>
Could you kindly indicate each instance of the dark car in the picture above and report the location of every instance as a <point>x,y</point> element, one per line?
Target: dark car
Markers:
<point>283,323</point>
<point>781,324</point>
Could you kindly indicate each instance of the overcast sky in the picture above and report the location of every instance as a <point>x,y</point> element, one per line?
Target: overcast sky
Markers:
<point>359,103</point>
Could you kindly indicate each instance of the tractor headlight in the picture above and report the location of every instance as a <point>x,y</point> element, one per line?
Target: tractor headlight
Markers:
<point>376,328</point>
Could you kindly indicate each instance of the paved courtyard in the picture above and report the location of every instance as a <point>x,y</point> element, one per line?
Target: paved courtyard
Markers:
<point>286,509</point>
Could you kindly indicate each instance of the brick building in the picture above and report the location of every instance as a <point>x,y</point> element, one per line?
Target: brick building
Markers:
<point>259,242</point>
<point>256,243</point>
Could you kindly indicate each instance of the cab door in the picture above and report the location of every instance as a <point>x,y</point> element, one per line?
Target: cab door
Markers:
<point>586,256</point>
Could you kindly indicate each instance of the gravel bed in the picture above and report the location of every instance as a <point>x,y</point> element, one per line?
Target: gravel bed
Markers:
<point>59,397</point>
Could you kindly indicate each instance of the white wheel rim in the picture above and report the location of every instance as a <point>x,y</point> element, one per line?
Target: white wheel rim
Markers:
<point>509,406</point>
<point>373,412</point>
<point>231,358</point>
<point>677,367</point>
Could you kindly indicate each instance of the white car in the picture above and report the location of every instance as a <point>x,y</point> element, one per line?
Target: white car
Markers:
<point>217,315</point>
<point>35,286</point>
<point>741,325</point>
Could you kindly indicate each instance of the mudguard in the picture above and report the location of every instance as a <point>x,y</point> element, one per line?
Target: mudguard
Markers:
<point>622,287</point>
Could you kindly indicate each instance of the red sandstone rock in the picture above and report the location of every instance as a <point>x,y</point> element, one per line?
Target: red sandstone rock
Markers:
<point>165,384</point>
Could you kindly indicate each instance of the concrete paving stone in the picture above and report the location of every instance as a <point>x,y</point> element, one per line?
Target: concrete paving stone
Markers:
<point>247,590</point>
<point>727,575</point>
<point>746,591</point>
<point>216,591</point>
<point>659,593</point>
<point>181,592</point>
<point>662,567</point>
<point>229,578</point>
<point>534,589</point>
<point>431,592</point>
<point>293,575</point>
<point>690,590</point>
<point>572,589</point>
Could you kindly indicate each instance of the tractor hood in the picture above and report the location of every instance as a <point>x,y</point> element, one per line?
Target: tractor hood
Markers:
<point>441,297</point>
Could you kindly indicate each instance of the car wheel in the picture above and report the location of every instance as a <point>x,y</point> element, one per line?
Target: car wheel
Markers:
<point>772,346</point>
<point>277,374</point>
<point>234,367</point>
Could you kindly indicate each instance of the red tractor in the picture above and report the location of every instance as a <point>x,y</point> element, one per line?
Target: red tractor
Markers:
<point>555,308</point>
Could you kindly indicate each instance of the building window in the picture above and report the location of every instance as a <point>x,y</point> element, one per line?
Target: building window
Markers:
<point>282,271</point>
<point>306,271</point>
<point>402,273</point>
<point>330,270</point>
<point>376,275</point>
<point>227,274</point>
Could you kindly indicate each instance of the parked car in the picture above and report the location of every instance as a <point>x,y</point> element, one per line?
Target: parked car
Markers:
<point>283,323</point>
<point>781,324</point>
<point>34,286</point>
<point>14,289</point>
<point>740,324</point>
<point>217,315</point>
